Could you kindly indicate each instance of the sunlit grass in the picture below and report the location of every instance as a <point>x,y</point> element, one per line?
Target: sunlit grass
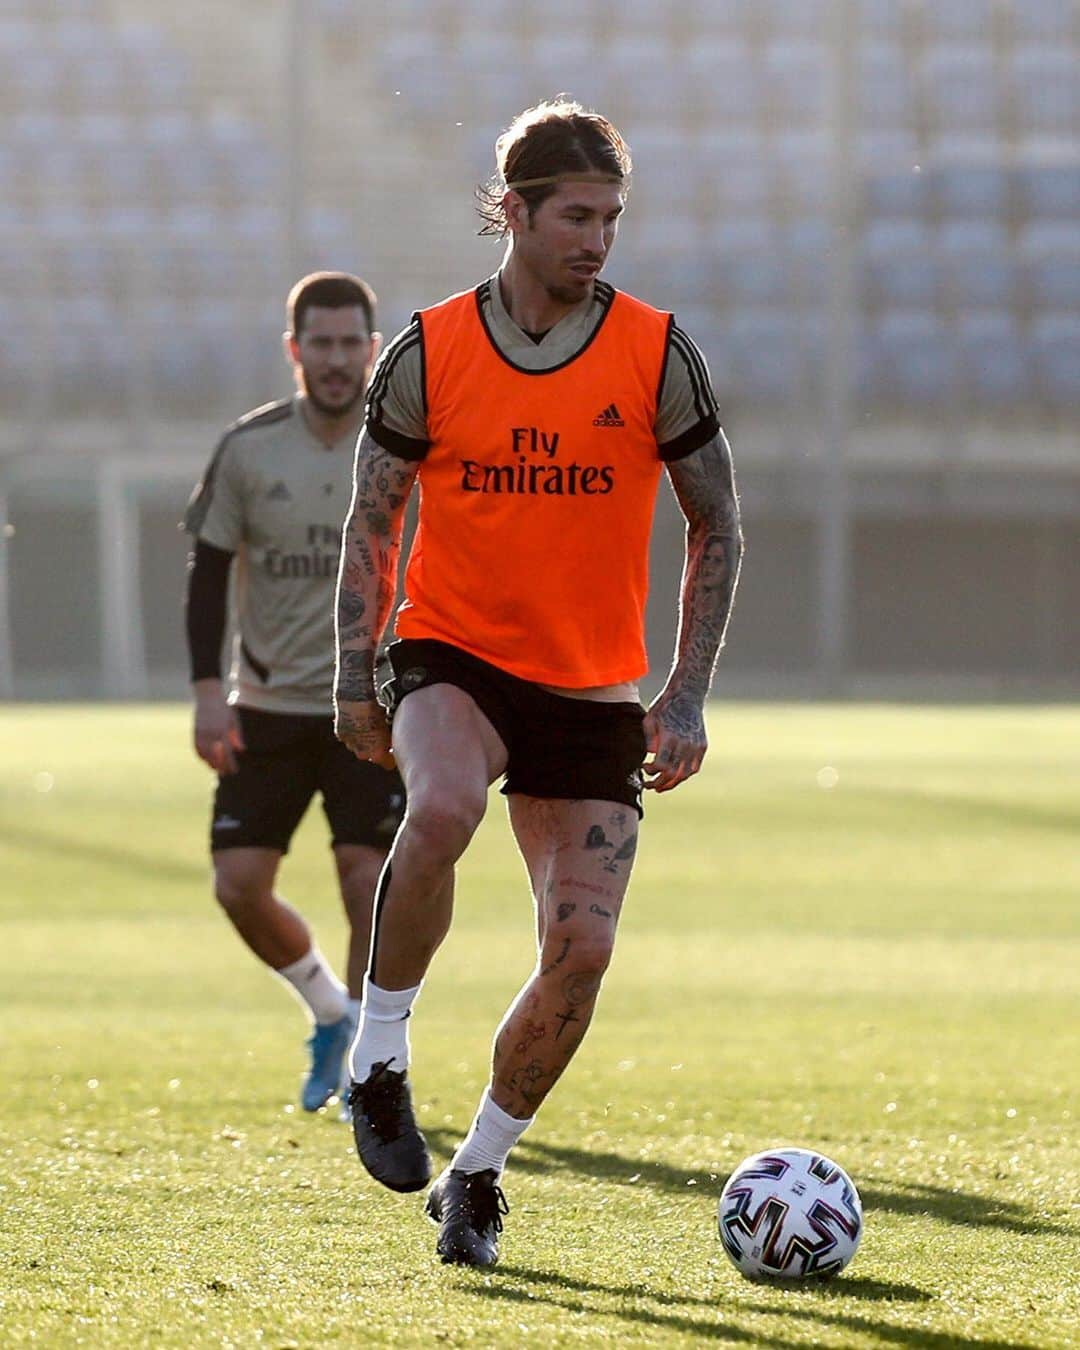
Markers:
<point>879,961</point>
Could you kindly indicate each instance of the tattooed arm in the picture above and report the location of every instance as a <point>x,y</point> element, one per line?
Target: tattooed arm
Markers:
<point>367,580</point>
<point>704,484</point>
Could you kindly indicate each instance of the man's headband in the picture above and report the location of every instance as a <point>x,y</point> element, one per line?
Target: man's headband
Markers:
<point>604,179</point>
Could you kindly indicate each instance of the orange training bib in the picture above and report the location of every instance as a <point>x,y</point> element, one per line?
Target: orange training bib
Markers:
<point>537,497</point>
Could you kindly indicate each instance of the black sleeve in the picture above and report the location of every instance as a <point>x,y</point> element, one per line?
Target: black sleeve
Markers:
<point>405,447</point>
<point>207,597</point>
<point>692,439</point>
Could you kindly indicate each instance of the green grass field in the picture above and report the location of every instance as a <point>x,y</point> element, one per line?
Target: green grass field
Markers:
<point>885,969</point>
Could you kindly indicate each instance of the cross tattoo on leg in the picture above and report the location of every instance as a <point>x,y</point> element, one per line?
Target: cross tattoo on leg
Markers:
<point>564,1018</point>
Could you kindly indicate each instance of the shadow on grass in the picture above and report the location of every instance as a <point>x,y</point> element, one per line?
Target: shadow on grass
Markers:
<point>847,1286</point>
<point>952,1206</point>
<point>870,1291</point>
<point>153,865</point>
<point>920,1336</point>
<point>689,1313</point>
<point>936,1202</point>
<point>518,1284</point>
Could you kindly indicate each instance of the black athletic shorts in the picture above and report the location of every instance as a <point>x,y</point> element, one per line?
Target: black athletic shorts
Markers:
<point>560,747</point>
<point>286,759</point>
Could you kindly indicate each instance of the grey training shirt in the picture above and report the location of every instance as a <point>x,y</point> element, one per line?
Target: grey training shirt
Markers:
<point>276,496</point>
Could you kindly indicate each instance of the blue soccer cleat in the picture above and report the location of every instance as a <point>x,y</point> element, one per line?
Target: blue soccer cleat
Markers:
<point>328,1044</point>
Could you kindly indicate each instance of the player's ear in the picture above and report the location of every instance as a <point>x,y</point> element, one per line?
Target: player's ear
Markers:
<point>376,348</point>
<point>515,211</point>
<point>291,348</point>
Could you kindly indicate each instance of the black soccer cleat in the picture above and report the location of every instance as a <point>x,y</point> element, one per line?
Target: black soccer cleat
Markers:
<point>468,1207</point>
<point>388,1141</point>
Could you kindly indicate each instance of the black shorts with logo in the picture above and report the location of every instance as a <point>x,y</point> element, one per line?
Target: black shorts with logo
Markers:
<point>286,759</point>
<point>559,747</point>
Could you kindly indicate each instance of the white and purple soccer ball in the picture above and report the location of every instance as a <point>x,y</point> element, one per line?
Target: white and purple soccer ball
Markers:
<point>790,1214</point>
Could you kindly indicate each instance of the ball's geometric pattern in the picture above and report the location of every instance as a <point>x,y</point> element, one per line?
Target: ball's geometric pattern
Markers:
<point>790,1214</point>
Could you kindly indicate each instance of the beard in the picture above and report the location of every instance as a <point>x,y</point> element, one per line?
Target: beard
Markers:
<point>569,295</point>
<point>351,395</point>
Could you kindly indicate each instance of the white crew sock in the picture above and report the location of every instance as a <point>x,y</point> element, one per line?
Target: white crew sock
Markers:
<point>383,1033</point>
<point>489,1141</point>
<point>317,986</point>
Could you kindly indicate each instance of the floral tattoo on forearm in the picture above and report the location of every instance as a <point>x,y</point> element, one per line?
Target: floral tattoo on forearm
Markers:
<point>367,574</point>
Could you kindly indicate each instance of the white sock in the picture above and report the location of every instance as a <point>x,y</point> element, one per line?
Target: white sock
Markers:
<point>489,1141</point>
<point>383,1034</point>
<point>317,986</point>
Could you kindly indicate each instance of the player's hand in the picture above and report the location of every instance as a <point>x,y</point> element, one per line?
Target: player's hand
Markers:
<point>675,740</point>
<point>363,728</point>
<point>217,728</point>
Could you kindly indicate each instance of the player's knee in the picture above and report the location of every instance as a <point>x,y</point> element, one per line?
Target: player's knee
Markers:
<point>359,876</point>
<point>582,954</point>
<point>237,890</point>
<point>444,821</point>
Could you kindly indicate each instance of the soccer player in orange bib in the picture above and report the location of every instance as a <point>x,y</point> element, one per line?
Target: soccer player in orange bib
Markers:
<point>536,411</point>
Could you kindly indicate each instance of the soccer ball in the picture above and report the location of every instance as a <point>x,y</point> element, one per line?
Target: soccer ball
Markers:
<point>790,1214</point>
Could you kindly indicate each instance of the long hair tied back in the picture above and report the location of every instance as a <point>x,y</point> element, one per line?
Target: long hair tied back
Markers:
<point>557,141</point>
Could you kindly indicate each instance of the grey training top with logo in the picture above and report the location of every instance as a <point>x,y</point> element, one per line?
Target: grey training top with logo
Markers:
<point>276,497</point>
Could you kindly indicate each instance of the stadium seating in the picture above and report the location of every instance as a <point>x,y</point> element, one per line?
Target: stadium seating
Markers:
<point>1043,20</point>
<point>967,179</point>
<point>89,365</point>
<point>979,265</point>
<point>795,19</point>
<point>750,266</point>
<point>1056,347</point>
<point>903,192</point>
<point>722,84</point>
<point>912,361</point>
<point>1045,92</point>
<point>737,177</point>
<point>561,59</point>
<point>768,355</point>
<point>994,361</point>
<point>900,268</point>
<point>712,17</point>
<point>886,93</point>
<point>963,228</point>
<point>796,74</point>
<point>960,90</point>
<point>197,354</point>
<point>957,20</point>
<point>1049,253</point>
<point>879,19</point>
<point>803,166</point>
<point>1049,189</point>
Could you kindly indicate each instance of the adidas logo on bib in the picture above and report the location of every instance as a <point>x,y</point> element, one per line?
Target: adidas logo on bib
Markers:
<point>609,418</point>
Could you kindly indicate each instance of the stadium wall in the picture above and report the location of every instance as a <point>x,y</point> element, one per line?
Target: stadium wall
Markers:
<point>958,588</point>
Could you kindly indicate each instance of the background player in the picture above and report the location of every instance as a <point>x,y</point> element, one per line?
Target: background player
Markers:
<point>274,495</point>
<point>538,412</point>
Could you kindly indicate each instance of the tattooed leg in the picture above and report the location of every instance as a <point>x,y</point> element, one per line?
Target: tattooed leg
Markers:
<point>579,855</point>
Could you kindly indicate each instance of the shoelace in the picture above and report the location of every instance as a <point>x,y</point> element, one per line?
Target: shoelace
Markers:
<point>483,1203</point>
<point>380,1098</point>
